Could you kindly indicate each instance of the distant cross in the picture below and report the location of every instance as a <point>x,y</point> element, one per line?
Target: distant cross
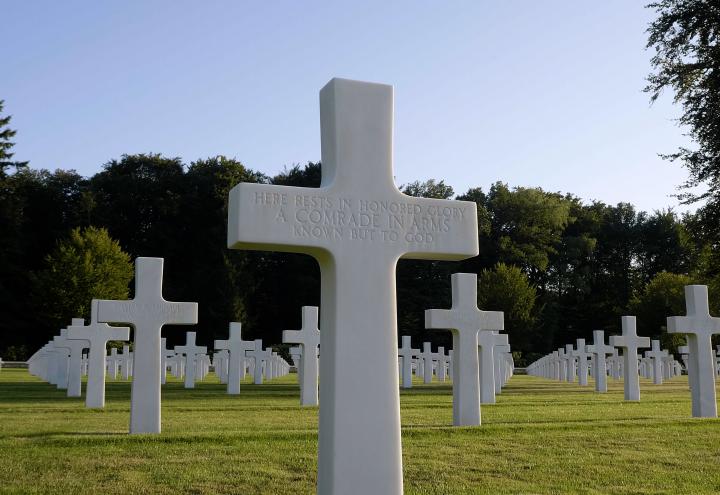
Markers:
<point>407,353</point>
<point>629,342</point>
<point>98,335</point>
<point>113,362</point>
<point>427,356</point>
<point>308,337</point>
<point>699,327</point>
<point>684,352</point>
<point>61,355</point>
<point>165,355</point>
<point>562,365</point>
<point>555,365</point>
<point>236,364</point>
<point>501,350</point>
<point>193,360</point>
<point>258,356</point>
<point>656,355</point>
<point>76,347</point>
<point>357,225</point>
<point>570,362</point>
<point>487,342</point>
<point>442,364</point>
<point>147,313</point>
<point>125,362</point>
<point>599,351</point>
<point>465,320</point>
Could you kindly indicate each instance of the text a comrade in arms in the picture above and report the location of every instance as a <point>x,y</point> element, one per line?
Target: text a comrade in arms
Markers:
<point>323,209</point>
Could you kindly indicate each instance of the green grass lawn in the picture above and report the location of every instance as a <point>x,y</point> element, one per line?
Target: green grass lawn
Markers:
<point>541,437</point>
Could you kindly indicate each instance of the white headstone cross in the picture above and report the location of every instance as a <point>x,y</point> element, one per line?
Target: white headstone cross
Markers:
<point>309,338</point>
<point>147,313</point>
<point>237,347</point>
<point>487,342</point>
<point>656,355</point>
<point>192,354</point>
<point>76,347</point>
<point>407,353</point>
<point>98,334</point>
<point>465,320</point>
<point>427,356</point>
<point>357,225</point>
<point>582,356</point>
<point>629,342</point>
<point>699,327</point>
<point>258,355</point>
<point>599,350</point>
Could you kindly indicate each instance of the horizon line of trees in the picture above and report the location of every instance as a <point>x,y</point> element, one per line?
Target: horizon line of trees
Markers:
<point>558,267</point>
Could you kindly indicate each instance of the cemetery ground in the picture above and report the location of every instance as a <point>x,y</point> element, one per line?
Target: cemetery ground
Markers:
<point>541,437</point>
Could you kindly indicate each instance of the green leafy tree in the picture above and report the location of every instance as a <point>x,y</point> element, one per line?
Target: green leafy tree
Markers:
<point>526,227</point>
<point>6,145</point>
<point>428,189</point>
<point>663,296</point>
<point>87,264</point>
<point>686,39</point>
<point>506,288</point>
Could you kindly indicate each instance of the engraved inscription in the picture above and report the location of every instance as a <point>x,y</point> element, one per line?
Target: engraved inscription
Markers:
<point>133,308</point>
<point>340,218</point>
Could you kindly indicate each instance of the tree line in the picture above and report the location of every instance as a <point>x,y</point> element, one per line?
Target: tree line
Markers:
<point>557,267</point>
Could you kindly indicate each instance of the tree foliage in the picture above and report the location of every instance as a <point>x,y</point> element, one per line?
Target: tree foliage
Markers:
<point>506,288</point>
<point>585,262</point>
<point>87,265</point>
<point>686,36</point>
<point>6,134</point>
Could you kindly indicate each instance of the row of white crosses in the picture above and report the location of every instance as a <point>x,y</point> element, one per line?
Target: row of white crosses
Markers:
<point>426,364</point>
<point>568,363</point>
<point>60,361</point>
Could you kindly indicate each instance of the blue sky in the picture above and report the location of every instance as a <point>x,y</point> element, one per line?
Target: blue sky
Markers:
<point>532,93</point>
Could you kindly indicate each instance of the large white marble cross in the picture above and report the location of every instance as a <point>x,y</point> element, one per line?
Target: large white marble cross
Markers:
<point>236,361</point>
<point>147,313</point>
<point>599,350</point>
<point>309,338</point>
<point>357,225</point>
<point>465,320</point>
<point>192,354</point>
<point>98,335</point>
<point>629,342</point>
<point>699,327</point>
<point>407,353</point>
